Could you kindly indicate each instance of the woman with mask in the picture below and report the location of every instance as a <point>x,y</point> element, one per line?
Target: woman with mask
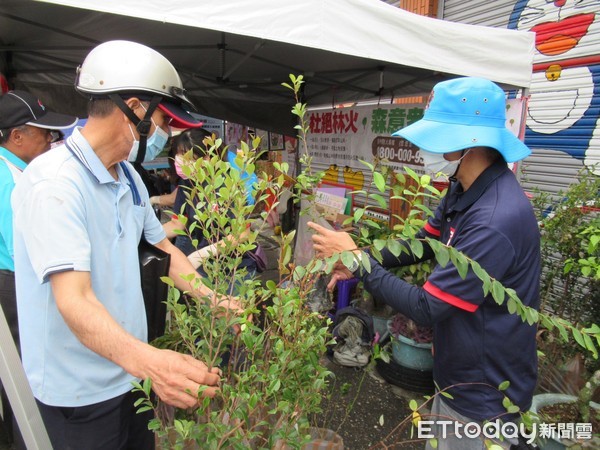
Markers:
<point>193,139</point>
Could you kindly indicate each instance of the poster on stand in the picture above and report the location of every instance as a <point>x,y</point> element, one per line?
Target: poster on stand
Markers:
<point>339,138</point>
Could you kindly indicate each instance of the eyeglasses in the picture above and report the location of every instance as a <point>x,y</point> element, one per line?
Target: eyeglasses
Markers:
<point>166,119</point>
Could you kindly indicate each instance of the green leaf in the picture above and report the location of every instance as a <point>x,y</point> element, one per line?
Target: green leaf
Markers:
<point>379,181</point>
<point>578,337</point>
<point>589,343</point>
<point>379,244</point>
<point>394,247</point>
<point>594,329</point>
<point>493,446</point>
<point>368,165</point>
<point>498,294</point>
<point>366,262</point>
<point>510,305</point>
<point>442,256</point>
<point>425,180</point>
<point>299,272</point>
<point>504,385</point>
<point>147,385</point>
<point>358,213</point>
<point>411,173</point>
<point>481,274</point>
<point>381,201</point>
<point>143,409</point>
<point>348,258</point>
<point>413,405</point>
<point>532,316</point>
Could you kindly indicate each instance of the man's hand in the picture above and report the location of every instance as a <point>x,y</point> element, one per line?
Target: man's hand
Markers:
<point>227,302</point>
<point>340,272</point>
<point>176,378</point>
<point>329,242</point>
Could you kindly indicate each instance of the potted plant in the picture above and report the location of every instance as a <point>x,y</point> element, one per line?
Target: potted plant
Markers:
<point>567,410</point>
<point>411,343</point>
<point>570,288</point>
<point>269,354</point>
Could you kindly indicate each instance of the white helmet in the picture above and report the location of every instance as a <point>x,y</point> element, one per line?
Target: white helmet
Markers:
<point>116,69</point>
<point>128,67</point>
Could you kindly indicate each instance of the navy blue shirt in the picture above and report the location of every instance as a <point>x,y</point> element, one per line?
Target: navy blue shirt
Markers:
<point>475,340</point>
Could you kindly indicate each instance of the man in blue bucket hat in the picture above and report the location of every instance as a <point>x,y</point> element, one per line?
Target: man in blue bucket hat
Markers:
<point>478,344</point>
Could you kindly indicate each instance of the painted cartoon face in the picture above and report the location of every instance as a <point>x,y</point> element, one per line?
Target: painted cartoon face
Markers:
<point>563,28</point>
<point>566,31</point>
<point>565,72</point>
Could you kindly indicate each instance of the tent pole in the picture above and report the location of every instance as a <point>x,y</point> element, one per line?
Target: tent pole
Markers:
<point>19,392</point>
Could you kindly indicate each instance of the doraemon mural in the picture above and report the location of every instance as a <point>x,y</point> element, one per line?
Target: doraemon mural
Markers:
<point>564,109</point>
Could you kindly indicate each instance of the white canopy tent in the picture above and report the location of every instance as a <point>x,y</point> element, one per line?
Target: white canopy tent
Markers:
<point>233,55</point>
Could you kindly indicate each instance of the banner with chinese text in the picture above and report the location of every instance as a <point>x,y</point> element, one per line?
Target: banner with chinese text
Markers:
<point>340,138</point>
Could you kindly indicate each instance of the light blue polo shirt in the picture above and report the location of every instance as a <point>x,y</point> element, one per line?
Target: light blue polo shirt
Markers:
<point>70,214</point>
<point>7,184</point>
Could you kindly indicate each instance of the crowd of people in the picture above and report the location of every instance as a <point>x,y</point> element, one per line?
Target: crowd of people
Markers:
<point>72,221</point>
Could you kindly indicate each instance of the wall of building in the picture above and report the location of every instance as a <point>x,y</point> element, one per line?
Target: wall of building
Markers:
<point>563,121</point>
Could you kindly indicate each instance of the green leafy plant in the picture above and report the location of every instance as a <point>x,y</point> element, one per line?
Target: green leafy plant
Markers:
<point>272,377</point>
<point>419,194</point>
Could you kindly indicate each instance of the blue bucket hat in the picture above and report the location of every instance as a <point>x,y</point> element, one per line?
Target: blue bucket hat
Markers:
<point>464,113</point>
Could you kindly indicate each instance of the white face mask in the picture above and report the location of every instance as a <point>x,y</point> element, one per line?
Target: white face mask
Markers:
<point>154,144</point>
<point>436,163</point>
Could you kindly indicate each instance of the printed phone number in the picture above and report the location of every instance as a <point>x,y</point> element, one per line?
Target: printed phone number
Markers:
<point>403,155</point>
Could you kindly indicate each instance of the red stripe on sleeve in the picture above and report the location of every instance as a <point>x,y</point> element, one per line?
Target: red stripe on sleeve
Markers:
<point>449,298</point>
<point>432,230</point>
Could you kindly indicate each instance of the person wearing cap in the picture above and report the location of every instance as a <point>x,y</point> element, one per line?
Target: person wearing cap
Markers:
<point>81,309</point>
<point>27,128</point>
<point>485,214</point>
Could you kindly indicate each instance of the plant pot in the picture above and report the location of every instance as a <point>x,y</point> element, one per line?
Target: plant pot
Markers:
<point>541,400</point>
<point>408,353</point>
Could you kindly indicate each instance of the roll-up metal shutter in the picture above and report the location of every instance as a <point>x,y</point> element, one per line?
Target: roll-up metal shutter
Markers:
<point>564,108</point>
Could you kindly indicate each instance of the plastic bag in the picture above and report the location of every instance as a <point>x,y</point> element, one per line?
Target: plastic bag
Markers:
<point>154,264</point>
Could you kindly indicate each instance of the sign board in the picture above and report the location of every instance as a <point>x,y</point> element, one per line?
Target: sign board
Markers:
<point>215,126</point>
<point>339,138</point>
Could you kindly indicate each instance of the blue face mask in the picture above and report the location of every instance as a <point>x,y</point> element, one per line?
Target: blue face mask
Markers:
<point>154,144</point>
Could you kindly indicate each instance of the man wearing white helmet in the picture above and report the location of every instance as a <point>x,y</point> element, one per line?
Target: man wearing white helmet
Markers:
<point>478,344</point>
<point>80,212</point>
